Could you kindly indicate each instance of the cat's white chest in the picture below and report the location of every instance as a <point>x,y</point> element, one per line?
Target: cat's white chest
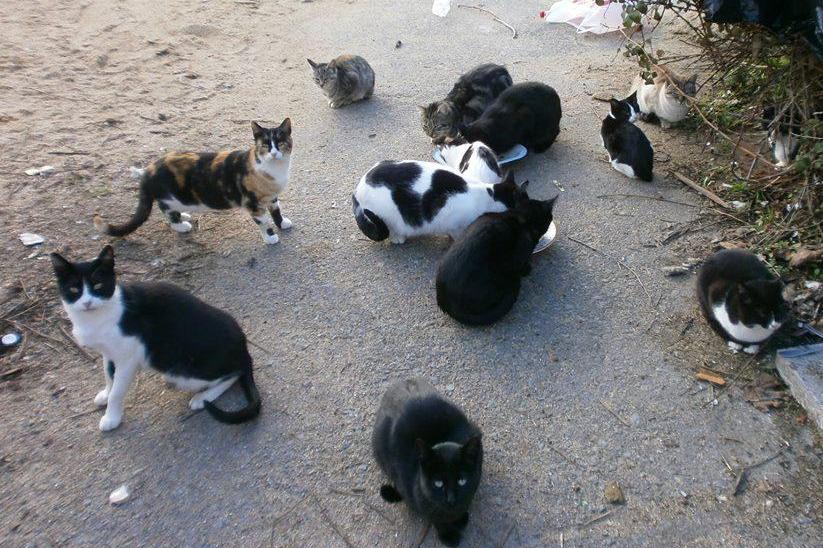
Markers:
<point>276,170</point>
<point>738,330</point>
<point>99,330</point>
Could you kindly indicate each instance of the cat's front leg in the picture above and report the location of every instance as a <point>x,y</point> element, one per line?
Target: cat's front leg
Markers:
<point>102,397</point>
<point>449,533</point>
<point>264,222</point>
<point>665,125</point>
<point>735,348</point>
<point>124,373</point>
<point>283,223</point>
<point>751,349</point>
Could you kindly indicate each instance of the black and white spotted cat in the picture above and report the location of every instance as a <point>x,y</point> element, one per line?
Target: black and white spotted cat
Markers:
<point>476,161</point>
<point>630,151</point>
<point>400,200</point>
<point>196,347</point>
<point>742,301</point>
<point>431,453</point>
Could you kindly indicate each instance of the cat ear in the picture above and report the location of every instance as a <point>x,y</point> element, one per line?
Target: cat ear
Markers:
<point>312,63</point>
<point>257,130</point>
<point>549,204</point>
<point>61,265</point>
<point>524,188</point>
<point>106,257</point>
<point>286,126</point>
<point>471,449</point>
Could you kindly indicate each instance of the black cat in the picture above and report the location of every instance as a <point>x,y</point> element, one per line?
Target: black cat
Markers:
<point>478,280</point>
<point>630,151</point>
<point>742,301</point>
<point>527,114</point>
<point>157,325</point>
<point>431,453</point>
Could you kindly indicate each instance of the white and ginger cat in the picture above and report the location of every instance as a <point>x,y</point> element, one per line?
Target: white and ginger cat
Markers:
<point>662,100</point>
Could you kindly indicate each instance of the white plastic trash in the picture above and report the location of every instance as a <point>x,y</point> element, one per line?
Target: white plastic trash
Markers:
<point>587,16</point>
<point>441,7</point>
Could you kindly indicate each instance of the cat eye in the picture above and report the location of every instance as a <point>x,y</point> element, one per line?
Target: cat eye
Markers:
<point>98,286</point>
<point>461,482</point>
<point>74,290</point>
<point>438,484</point>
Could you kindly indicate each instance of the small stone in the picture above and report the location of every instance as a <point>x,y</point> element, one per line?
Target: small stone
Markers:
<point>29,239</point>
<point>398,44</point>
<point>449,388</point>
<point>119,495</point>
<point>42,170</point>
<point>613,493</point>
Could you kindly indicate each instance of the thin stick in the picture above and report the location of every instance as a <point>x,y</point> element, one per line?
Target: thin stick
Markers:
<point>71,339</point>
<point>653,198</point>
<point>283,516</point>
<point>596,519</point>
<point>562,541</point>
<point>38,333</point>
<point>84,413</point>
<point>257,346</point>
<point>508,534</point>
<point>422,536</point>
<point>331,523</point>
<point>620,262</point>
<point>70,153</point>
<point>10,372</point>
<point>570,461</point>
<point>705,192</point>
<point>496,18</point>
<point>615,415</point>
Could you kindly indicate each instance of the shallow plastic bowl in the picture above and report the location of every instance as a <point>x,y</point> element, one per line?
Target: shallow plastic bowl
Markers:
<point>512,155</point>
<point>547,239</point>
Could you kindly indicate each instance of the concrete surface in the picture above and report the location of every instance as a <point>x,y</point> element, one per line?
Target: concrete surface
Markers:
<point>588,380</point>
<point>801,367</point>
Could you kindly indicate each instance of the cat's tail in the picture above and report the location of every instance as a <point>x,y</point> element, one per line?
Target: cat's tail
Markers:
<point>370,224</point>
<point>241,415</point>
<point>140,216</point>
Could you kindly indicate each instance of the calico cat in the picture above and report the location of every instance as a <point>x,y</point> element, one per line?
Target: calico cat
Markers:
<point>630,151</point>
<point>475,161</point>
<point>784,134</point>
<point>661,100</point>
<point>431,453</point>
<point>195,346</point>
<point>742,301</point>
<point>344,80</point>
<point>400,200</point>
<point>468,99</point>
<point>252,179</point>
<point>478,279</point>
<point>527,114</point>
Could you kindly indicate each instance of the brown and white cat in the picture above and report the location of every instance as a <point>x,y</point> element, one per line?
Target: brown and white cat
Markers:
<point>661,99</point>
<point>188,181</point>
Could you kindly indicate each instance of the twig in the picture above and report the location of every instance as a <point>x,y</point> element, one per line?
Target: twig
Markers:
<point>742,474</point>
<point>70,153</point>
<point>562,541</point>
<point>619,262</point>
<point>257,346</point>
<point>506,537</point>
<point>331,523</point>
<point>422,536</point>
<point>38,333</point>
<point>653,198</point>
<point>570,461</point>
<point>597,518</point>
<point>615,415</point>
<point>361,493</point>
<point>10,372</point>
<point>705,192</point>
<point>84,413</point>
<point>71,339</point>
<point>496,18</point>
<point>283,516</point>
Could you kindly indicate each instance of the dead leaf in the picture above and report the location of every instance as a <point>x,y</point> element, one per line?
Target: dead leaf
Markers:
<point>766,392</point>
<point>803,256</point>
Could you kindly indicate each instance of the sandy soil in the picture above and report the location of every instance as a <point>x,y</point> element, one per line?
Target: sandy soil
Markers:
<point>588,380</point>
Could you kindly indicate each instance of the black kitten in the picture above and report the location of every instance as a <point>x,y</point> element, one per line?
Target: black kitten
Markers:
<point>478,280</point>
<point>470,96</point>
<point>195,346</point>
<point>740,298</point>
<point>527,114</point>
<point>630,151</point>
<point>431,453</point>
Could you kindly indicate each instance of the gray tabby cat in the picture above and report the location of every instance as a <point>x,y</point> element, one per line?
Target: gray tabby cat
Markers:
<point>344,79</point>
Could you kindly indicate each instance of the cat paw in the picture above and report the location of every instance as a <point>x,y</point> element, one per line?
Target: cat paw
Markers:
<point>271,239</point>
<point>735,348</point>
<point>332,104</point>
<point>390,494</point>
<point>109,421</point>
<point>666,125</point>
<point>182,228</point>
<point>185,217</point>
<point>102,398</point>
<point>751,349</point>
<point>286,224</point>
<point>197,402</point>
<point>449,537</point>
